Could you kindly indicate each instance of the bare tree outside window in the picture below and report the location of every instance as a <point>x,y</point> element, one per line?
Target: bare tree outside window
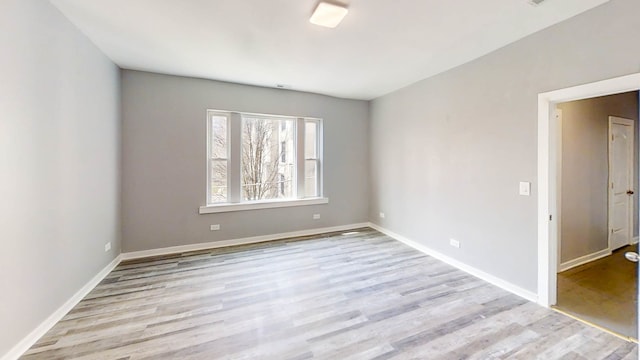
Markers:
<point>266,146</point>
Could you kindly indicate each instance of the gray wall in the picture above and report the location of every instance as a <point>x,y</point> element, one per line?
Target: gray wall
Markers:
<point>585,171</point>
<point>59,164</point>
<point>447,153</point>
<point>164,163</point>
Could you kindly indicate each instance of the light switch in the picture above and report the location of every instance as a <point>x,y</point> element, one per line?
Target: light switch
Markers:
<point>525,188</point>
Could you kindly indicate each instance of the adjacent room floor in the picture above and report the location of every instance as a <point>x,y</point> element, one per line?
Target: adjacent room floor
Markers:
<point>358,295</point>
<point>603,292</point>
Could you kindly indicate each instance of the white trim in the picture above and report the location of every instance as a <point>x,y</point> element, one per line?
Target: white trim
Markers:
<point>233,242</point>
<point>27,342</point>
<point>256,205</point>
<point>635,240</point>
<point>529,295</point>
<point>557,226</point>
<point>547,233</point>
<point>584,259</point>
<point>547,250</point>
<point>270,116</point>
<point>612,86</point>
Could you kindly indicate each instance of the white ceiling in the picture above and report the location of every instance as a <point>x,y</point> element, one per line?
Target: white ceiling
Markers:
<point>381,46</point>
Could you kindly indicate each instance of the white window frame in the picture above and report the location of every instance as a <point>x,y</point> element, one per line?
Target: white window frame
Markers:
<point>234,151</point>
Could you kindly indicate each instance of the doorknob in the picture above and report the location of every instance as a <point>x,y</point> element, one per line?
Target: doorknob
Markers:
<point>631,256</point>
<point>630,192</point>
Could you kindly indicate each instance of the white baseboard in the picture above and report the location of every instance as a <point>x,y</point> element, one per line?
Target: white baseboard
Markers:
<point>531,296</point>
<point>242,241</point>
<point>635,240</point>
<point>28,341</point>
<point>584,259</point>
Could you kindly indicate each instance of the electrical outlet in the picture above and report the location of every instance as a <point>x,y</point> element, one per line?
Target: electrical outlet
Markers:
<point>316,216</point>
<point>455,243</point>
<point>215,227</point>
<point>381,215</point>
<point>107,246</point>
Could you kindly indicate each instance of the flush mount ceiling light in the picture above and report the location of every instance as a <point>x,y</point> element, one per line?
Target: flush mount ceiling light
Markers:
<point>328,15</point>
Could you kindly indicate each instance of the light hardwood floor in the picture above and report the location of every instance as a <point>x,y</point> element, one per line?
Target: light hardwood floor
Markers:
<point>334,296</point>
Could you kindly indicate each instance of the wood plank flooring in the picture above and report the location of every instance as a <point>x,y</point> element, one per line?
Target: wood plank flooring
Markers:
<point>355,296</point>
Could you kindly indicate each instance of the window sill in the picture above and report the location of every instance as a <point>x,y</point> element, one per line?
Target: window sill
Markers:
<point>256,205</point>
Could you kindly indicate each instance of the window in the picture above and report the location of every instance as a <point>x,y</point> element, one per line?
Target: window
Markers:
<point>262,159</point>
<point>219,157</point>
<point>311,159</point>
<point>264,153</point>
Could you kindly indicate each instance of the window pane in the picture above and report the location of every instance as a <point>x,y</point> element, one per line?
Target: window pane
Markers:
<point>218,181</point>
<point>310,140</point>
<point>267,158</point>
<point>311,178</point>
<point>219,137</point>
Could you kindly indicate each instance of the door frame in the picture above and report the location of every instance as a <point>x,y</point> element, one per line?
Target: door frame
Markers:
<point>548,186</point>
<point>630,166</point>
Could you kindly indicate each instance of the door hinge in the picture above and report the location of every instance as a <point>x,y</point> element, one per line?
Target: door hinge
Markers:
<point>550,217</point>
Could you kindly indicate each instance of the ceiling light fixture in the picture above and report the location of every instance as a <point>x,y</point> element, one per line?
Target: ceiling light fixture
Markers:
<point>328,14</point>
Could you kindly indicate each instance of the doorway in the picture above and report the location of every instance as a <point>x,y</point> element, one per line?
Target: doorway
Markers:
<point>549,172</point>
<point>596,177</point>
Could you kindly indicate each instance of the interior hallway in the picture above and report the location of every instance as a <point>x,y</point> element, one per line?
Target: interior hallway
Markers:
<point>603,292</point>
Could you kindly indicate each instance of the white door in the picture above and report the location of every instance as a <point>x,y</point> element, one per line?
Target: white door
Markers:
<point>620,182</point>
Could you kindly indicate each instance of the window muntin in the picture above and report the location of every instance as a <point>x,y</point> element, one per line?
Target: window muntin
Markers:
<point>268,158</point>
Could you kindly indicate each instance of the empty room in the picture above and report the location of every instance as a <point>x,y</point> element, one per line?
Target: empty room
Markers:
<point>319,179</point>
